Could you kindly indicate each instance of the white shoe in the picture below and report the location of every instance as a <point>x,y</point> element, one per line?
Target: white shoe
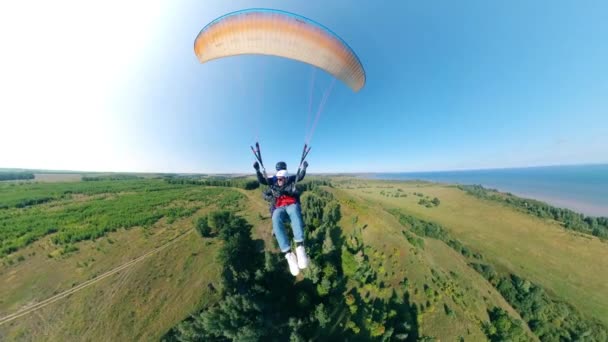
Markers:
<point>302,258</point>
<point>293,263</point>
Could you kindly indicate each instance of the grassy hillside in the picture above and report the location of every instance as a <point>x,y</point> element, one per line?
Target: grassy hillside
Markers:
<point>139,303</point>
<point>143,300</point>
<point>429,269</point>
<point>566,263</point>
<point>373,252</point>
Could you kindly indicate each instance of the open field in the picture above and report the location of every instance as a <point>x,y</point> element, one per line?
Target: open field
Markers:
<point>564,262</point>
<point>436,266</point>
<point>57,177</point>
<point>146,298</point>
<point>143,300</point>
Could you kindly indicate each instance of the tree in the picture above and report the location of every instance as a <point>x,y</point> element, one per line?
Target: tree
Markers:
<point>324,287</point>
<point>504,328</point>
<point>203,227</point>
<point>448,311</point>
<point>321,315</point>
<point>377,329</point>
<point>328,244</point>
<point>353,326</point>
<point>237,317</point>
<point>332,213</point>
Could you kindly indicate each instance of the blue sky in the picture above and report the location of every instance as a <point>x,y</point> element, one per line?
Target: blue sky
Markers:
<point>115,86</point>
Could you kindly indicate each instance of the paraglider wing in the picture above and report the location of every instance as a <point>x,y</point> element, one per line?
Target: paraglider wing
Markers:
<point>279,33</point>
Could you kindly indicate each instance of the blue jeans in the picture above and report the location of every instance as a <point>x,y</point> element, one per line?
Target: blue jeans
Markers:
<point>294,213</point>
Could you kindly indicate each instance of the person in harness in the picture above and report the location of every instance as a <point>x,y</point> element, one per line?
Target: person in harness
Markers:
<point>285,203</point>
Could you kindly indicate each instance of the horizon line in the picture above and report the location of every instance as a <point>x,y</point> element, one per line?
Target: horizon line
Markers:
<point>33,170</point>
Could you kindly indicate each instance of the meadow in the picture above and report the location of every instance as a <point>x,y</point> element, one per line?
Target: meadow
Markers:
<point>564,262</point>
<point>81,230</point>
<point>401,260</point>
<point>80,211</point>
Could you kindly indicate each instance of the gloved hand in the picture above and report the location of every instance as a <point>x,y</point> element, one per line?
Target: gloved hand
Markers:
<point>268,195</point>
<point>305,165</point>
<point>256,166</point>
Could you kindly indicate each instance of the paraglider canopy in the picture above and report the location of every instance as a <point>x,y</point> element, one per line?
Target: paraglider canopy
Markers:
<point>283,34</point>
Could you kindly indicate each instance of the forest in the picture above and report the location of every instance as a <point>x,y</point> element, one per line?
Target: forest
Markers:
<point>261,301</point>
<point>110,205</point>
<point>4,176</point>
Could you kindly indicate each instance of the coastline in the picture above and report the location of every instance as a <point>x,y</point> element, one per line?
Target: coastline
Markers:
<point>583,189</point>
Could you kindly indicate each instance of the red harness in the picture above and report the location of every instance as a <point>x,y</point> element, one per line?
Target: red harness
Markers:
<point>284,200</point>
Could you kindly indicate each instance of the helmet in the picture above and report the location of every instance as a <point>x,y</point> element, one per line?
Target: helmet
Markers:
<point>281,166</point>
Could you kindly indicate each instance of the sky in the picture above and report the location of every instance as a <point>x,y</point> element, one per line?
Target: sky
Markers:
<point>115,86</point>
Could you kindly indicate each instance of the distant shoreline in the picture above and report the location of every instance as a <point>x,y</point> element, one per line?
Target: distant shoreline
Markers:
<point>581,188</point>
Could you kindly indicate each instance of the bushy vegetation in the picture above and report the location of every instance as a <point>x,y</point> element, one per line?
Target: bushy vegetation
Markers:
<point>429,203</point>
<point>115,205</point>
<point>432,230</point>
<point>4,176</point>
<point>310,184</point>
<point>30,194</point>
<point>110,177</point>
<point>548,318</point>
<point>203,228</point>
<point>261,300</point>
<point>413,239</point>
<point>397,193</point>
<point>503,327</point>
<point>314,207</point>
<point>242,183</point>
<point>597,226</point>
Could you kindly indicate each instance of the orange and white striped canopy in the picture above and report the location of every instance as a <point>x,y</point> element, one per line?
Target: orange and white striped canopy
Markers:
<point>283,34</point>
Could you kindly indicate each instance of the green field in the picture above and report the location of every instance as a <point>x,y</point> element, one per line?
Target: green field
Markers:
<point>57,235</point>
<point>461,288</point>
<point>114,222</point>
<point>564,262</point>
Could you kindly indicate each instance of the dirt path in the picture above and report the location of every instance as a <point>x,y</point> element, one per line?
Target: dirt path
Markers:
<point>42,304</point>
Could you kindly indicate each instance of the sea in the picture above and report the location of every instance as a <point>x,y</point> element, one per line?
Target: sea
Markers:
<point>582,188</point>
